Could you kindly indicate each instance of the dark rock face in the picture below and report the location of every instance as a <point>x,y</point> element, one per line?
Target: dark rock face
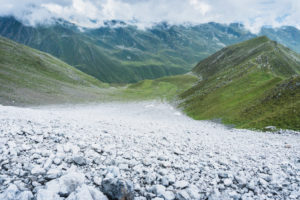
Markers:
<point>117,189</point>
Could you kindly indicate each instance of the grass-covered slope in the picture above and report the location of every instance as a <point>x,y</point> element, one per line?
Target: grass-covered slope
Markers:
<point>28,76</point>
<point>165,88</point>
<point>280,107</point>
<point>253,84</point>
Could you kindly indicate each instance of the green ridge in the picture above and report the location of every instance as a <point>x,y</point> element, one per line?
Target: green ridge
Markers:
<point>239,85</point>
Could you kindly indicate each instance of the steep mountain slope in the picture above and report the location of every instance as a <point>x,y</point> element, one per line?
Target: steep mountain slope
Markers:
<point>28,76</point>
<point>121,53</point>
<point>251,84</point>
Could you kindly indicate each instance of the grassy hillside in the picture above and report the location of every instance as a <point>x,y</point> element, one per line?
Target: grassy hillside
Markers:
<point>239,85</point>
<point>28,76</point>
<point>280,106</point>
<point>165,89</point>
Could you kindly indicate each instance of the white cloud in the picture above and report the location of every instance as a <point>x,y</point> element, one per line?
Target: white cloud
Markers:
<point>253,13</point>
<point>200,6</point>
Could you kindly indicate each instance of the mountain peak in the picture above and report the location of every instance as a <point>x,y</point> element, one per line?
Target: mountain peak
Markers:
<point>260,52</point>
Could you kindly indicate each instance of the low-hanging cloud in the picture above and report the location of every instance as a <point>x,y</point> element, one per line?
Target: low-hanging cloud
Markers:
<point>144,13</point>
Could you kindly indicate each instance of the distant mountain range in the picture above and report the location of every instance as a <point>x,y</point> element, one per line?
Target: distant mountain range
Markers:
<point>252,84</point>
<point>286,35</point>
<point>119,53</point>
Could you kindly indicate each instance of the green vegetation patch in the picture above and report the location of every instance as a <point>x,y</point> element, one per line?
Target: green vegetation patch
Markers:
<point>253,84</point>
<point>166,88</point>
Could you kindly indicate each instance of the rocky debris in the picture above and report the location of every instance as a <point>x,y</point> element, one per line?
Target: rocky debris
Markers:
<point>270,128</point>
<point>97,181</point>
<point>38,170</point>
<point>113,171</point>
<point>160,191</point>
<point>182,195</point>
<point>97,148</point>
<point>140,153</point>
<point>181,184</point>
<point>14,193</point>
<point>193,192</point>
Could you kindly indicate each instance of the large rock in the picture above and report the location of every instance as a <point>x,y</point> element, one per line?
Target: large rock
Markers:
<point>61,187</point>
<point>117,189</point>
<point>70,182</point>
<point>79,160</point>
<point>168,195</point>
<point>53,174</point>
<point>38,170</point>
<point>158,189</point>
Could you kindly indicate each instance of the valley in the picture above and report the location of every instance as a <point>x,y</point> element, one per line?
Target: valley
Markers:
<point>171,111</point>
<point>253,84</point>
<point>31,77</point>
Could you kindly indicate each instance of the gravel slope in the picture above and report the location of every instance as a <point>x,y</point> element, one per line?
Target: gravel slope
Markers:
<point>140,150</point>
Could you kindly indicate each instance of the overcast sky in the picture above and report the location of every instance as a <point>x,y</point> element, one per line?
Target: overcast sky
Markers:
<point>252,13</point>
